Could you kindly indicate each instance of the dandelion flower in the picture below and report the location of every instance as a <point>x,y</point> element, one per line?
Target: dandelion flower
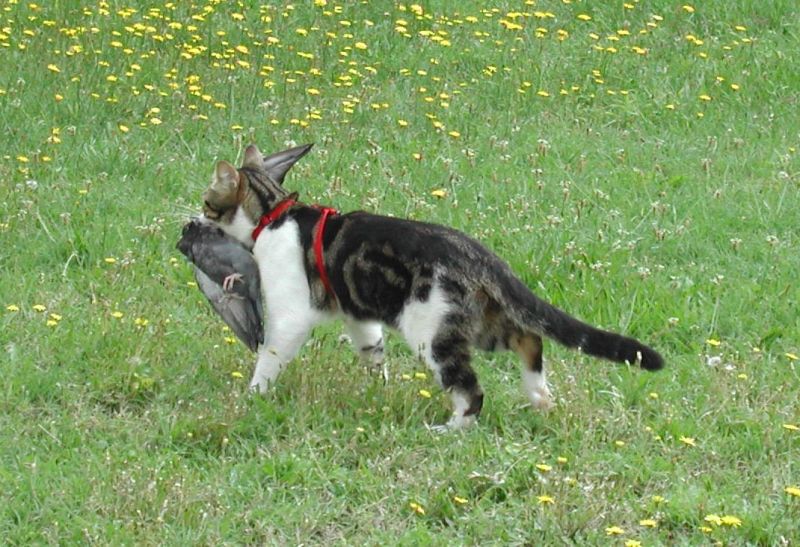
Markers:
<point>417,508</point>
<point>614,531</point>
<point>792,491</point>
<point>791,356</point>
<point>460,500</point>
<point>425,393</point>
<point>545,500</point>
<point>236,374</point>
<point>648,523</point>
<point>689,441</point>
<point>633,543</point>
<point>360,45</point>
<point>791,427</point>
<point>713,342</point>
<point>12,307</point>
<point>440,193</point>
<point>584,17</point>
<point>39,307</point>
<point>117,314</point>
<point>713,519</point>
<point>543,467</point>
<point>687,8</point>
<point>110,260</point>
<point>730,520</point>
<point>454,134</point>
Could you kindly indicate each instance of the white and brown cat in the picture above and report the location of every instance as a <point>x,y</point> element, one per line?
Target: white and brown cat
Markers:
<point>443,291</point>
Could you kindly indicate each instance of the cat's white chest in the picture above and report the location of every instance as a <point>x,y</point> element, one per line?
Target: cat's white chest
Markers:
<point>280,260</point>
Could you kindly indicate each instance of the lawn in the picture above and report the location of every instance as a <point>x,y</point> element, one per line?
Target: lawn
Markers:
<point>637,163</point>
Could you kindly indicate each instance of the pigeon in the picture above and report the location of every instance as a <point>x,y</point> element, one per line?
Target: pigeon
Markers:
<point>227,274</point>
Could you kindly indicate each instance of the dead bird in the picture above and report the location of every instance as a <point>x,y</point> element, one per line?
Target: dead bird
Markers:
<point>227,274</point>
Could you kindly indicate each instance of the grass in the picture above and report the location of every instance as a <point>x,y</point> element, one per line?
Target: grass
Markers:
<point>636,163</point>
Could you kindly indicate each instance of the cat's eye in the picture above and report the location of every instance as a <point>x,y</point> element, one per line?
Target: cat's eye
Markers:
<point>210,211</point>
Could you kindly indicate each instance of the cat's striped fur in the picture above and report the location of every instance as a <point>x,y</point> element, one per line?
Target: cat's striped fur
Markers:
<point>442,290</point>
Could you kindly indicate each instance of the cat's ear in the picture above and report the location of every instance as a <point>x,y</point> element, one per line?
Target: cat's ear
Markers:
<point>253,157</point>
<point>279,163</point>
<point>225,180</point>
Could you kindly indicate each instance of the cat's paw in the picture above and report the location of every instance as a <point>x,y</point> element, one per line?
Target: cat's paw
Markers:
<point>541,399</point>
<point>260,387</point>
<point>455,423</point>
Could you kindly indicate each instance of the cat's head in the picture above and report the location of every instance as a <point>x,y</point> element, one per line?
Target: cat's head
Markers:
<point>237,198</point>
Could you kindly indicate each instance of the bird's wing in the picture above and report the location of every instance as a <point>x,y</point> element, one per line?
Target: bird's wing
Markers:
<point>239,313</point>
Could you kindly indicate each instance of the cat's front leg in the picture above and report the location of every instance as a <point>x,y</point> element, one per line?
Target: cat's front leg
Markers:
<point>282,340</point>
<point>367,339</point>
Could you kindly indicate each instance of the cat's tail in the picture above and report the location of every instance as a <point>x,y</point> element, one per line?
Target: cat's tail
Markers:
<point>531,312</point>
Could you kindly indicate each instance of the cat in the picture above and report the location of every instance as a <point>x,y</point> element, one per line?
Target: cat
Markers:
<point>443,291</point>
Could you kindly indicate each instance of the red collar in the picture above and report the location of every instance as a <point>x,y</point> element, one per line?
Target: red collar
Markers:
<point>279,211</point>
<point>272,216</point>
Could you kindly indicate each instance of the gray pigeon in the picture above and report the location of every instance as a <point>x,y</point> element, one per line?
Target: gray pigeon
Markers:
<point>227,274</point>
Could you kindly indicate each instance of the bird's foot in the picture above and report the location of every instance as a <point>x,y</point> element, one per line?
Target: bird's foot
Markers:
<point>228,282</point>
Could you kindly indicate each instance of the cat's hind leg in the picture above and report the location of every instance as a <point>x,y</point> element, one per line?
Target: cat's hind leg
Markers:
<point>529,348</point>
<point>441,337</point>
<point>367,339</point>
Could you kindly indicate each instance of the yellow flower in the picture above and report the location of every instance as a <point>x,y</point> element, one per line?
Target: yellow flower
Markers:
<point>792,491</point>
<point>123,128</point>
<point>242,49</point>
<point>713,342</point>
<point>791,427</point>
<point>658,499</point>
<point>688,9</point>
<point>705,97</point>
<point>53,68</point>
<point>460,501</point>
<point>55,317</point>
<point>454,134</point>
<point>313,91</point>
<point>688,441</point>
<point>543,467</point>
<point>791,356</point>
<point>545,500</point>
<point>584,17</point>
<point>730,520</point>
<point>236,374</point>
<point>155,121</point>
<point>417,508</point>
<point>12,307</point>
<point>425,393</point>
<point>360,45</point>
<point>633,543</point>
<point>420,375</point>
<point>417,156</point>
<point>39,307</point>
<point>440,193</point>
<point>614,531</point>
<point>543,93</point>
<point>649,523</point>
<point>713,519</point>
<point>561,459</point>
<point>117,314</point>
<point>110,260</point>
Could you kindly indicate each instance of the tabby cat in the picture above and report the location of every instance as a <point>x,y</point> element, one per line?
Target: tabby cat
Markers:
<point>444,292</point>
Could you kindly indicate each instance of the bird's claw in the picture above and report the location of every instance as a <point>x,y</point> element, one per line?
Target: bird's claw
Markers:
<point>228,282</point>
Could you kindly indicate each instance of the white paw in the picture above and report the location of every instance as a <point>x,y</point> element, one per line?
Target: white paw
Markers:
<point>259,386</point>
<point>541,399</point>
<point>455,423</point>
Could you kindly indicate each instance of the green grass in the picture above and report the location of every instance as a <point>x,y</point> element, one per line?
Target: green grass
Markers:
<point>629,200</point>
